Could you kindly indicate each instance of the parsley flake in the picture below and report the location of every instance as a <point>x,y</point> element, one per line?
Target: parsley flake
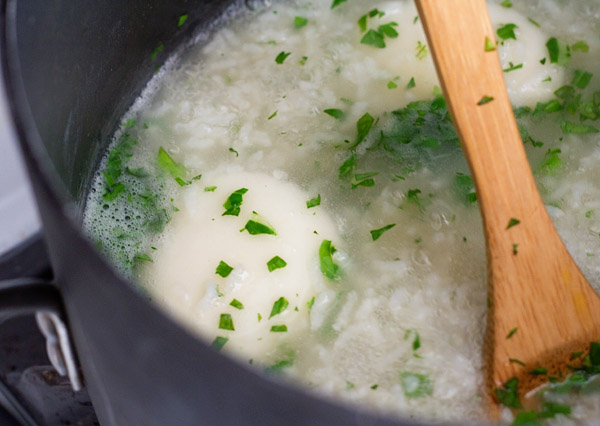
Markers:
<point>507,31</point>
<point>485,99</point>
<point>558,51</point>
<point>376,233</point>
<point>581,79</point>
<point>314,202</point>
<point>219,342</point>
<point>512,222</point>
<point>300,22</point>
<point>415,385</point>
<point>338,114</point>
<point>577,128</point>
<point>490,46</point>
<point>176,170</point>
<point>282,57</point>
<point>237,304</point>
<point>233,203</point>
<point>279,328</point>
<point>258,225</point>
<point>512,332</point>
<point>512,67</point>
<point>276,263</point>
<point>272,115</point>
<point>182,20</point>
<point>514,248</point>
<point>363,127</point>
<point>226,322</point>
<point>223,269</point>
<point>336,3</point>
<point>580,46</point>
<point>279,306</point>
<point>373,38</point>
<point>234,151</point>
<point>508,395</point>
<point>328,267</point>
<point>411,83</point>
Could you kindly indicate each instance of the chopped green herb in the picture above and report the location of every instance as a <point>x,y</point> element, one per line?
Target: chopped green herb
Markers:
<point>328,267</point>
<point>512,67</point>
<point>156,51</point>
<point>363,127</point>
<point>580,46</point>
<point>551,409</point>
<point>576,355</point>
<point>421,50</point>
<point>411,83</point>
<point>234,151</point>
<point>388,30</point>
<point>516,361</point>
<point>282,57</point>
<point>310,304</point>
<point>391,85</point>
<point>512,332</point>
<point>490,46</point>
<point>581,79</point>
<point>552,161</point>
<point>279,328</point>
<point>373,38</point>
<point>465,188</point>
<point>508,395</point>
<point>182,20</point>
<point>363,179</point>
<point>374,387</point>
<point>416,344</point>
<point>558,51</point>
<point>512,222</point>
<point>219,342</point>
<point>210,188</point>
<point>589,213</point>
<point>577,128</point>
<point>533,22</point>
<point>303,60</point>
<point>143,257</point>
<point>223,269</point>
<point>338,114</point>
<point>515,248</point>
<point>300,22</point>
<point>226,322</point>
<point>258,225</point>
<point>376,233</point>
<point>129,123</point>
<point>177,171</point>
<point>237,304</point>
<point>279,306</point>
<point>485,99</point>
<point>314,202</point>
<point>276,263</point>
<point>348,166</point>
<point>272,115</point>
<point>506,3</point>
<point>415,385</point>
<point>233,203</point>
<point>336,3</point>
<point>507,31</point>
<point>538,371</point>
<point>526,418</point>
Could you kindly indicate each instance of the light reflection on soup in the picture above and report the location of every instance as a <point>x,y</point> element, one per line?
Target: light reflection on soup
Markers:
<point>294,191</point>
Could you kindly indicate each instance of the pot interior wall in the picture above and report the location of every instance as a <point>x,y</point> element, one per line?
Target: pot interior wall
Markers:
<point>84,62</point>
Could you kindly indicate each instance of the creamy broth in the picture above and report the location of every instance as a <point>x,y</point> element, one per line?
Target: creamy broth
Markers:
<point>269,111</point>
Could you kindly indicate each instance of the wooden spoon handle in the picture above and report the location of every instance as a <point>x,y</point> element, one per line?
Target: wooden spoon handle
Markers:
<point>488,130</point>
<point>534,286</point>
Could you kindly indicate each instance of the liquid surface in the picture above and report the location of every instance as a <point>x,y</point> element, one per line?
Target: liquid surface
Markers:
<point>381,297</point>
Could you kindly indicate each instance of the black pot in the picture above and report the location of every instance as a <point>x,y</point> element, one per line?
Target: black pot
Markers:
<point>72,68</point>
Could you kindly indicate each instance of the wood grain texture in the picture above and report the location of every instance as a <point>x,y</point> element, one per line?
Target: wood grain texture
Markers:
<point>540,290</point>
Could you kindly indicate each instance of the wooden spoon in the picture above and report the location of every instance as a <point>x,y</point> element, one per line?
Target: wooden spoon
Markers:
<point>541,307</point>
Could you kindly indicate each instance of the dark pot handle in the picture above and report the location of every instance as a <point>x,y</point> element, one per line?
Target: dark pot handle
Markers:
<point>25,296</point>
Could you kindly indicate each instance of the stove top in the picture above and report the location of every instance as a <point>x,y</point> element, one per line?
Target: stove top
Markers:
<point>31,392</point>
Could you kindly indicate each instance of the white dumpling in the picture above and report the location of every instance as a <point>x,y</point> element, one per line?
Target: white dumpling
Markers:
<point>199,237</point>
<point>526,86</point>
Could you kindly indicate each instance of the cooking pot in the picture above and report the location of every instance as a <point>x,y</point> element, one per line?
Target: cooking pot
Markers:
<point>71,70</point>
